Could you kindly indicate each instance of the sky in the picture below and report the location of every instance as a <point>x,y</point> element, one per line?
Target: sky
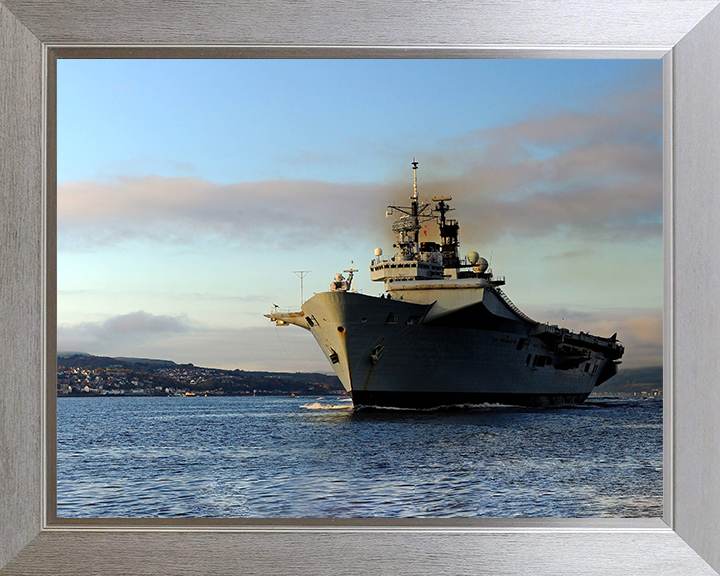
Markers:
<point>189,191</point>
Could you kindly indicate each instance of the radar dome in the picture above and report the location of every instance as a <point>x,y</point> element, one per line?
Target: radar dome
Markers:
<point>481,265</point>
<point>378,251</point>
<point>473,257</point>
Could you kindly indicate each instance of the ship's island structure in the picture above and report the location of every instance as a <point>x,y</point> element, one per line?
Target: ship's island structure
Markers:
<point>444,333</point>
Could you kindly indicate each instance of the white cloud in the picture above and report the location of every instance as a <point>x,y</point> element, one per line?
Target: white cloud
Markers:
<point>136,326</point>
<point>176,338</point>
<point>275,213</point>
<point>596,173</point>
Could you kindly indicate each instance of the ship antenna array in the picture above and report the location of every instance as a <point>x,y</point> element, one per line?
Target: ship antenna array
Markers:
<point>350,278</point>
<point>415,192</point>
<point>416,213</point>
<point>301,274</point>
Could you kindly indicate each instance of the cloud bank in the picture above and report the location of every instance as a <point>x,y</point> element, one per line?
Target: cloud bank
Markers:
<point>593,173</point>
<point>137,326</point>
<point>176,338</point>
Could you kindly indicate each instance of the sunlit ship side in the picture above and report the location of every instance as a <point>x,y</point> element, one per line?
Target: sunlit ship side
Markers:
<point>444,333</point>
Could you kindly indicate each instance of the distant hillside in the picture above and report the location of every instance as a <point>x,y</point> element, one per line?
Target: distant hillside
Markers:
<point>84,360</point>
<point>634,380</point>
<point>83,374</point>
<point>147,361</point>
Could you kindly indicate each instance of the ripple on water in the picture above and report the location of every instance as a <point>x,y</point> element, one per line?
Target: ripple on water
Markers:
<point>300,457</point>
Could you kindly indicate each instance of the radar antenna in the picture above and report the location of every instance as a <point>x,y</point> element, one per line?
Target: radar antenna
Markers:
<point>415,192</point>
<point>301,274</point>
<point>350,276</point>
<point>408,227</point>
<point>414,205</point>
<point>448,233</point>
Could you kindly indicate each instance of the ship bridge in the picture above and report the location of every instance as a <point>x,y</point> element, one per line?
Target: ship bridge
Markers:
<point>425,265</point>
<point>424,261</point>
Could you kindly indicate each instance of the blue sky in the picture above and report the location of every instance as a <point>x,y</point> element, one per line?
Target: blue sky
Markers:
<point>189,190</point>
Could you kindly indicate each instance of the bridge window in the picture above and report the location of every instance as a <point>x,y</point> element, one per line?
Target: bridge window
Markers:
<point>391,319</point>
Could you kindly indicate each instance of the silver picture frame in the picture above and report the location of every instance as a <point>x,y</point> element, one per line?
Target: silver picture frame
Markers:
<point>685,33</point>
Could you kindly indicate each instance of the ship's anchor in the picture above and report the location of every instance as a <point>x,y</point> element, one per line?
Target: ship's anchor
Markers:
<point>377,353</point>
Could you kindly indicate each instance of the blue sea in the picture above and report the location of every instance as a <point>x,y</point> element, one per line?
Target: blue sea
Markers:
<point>304,457</point>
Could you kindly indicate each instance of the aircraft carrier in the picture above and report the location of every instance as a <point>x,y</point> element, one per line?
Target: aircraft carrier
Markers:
<point>444,333</point>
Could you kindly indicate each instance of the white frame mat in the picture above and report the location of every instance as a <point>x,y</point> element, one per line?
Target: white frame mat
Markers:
<point>685,33</point>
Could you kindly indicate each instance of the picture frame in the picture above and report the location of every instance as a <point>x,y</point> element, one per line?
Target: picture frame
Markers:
<point>685,33</point>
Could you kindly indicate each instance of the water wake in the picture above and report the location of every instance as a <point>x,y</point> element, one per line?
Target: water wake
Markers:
<point>319,406</point>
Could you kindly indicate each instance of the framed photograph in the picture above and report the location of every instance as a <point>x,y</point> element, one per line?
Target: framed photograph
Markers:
<point>35,542</point>
<point>536,185</point>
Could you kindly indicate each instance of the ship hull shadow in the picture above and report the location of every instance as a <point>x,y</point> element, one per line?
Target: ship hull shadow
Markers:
<point>374,400</point>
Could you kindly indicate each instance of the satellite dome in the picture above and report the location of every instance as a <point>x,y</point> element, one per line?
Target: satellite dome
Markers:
<point>378,251</point>
<point>339,277</point>
<point>481,265</point>
<point>473,257</point>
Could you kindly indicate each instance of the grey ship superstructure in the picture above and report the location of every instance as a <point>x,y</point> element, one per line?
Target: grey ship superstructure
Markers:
<point>444,333</point>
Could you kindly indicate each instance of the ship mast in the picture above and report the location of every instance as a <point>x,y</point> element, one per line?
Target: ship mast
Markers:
<point>415,203</point>
<point>407,227</point>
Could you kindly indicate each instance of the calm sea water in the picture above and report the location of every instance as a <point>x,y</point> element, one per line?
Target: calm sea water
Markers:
<point>278,457</point>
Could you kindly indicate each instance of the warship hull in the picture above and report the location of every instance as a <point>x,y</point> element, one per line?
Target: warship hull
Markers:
<point>393,353</point>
